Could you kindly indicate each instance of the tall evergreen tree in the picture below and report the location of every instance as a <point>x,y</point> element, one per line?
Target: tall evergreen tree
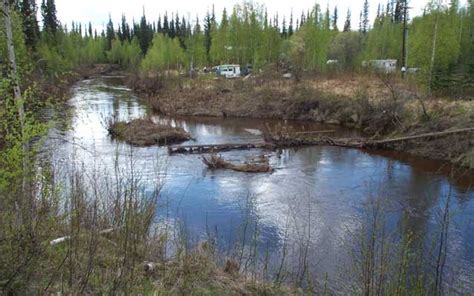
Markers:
<point>50,20</point>
<point>90,30</point>
<point>110,33</point>
<point>145,34</point>
<point>290,27</point>
<point>126,35</point>
<point>177,26</point>
<point>172,31</point>
<point>208,27</point>
<point>347,23</point>
<point>453,7</point>
<point>327,19</point>
<point>166,27</point>
<point>159,27</point>
<point>284,32</point>
<point>30,22</point>
<point>335,18</point>
<point>365,18</point>
<point>302,19</point>
<point>397,16</point>
<point>120,34</point>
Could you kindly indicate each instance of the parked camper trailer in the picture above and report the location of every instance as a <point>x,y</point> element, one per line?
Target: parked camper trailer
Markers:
<point>385,66</point>
<point>228,71</point>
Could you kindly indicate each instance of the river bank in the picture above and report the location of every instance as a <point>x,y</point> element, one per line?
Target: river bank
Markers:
<point>253,219</point>
<point>381,107</point>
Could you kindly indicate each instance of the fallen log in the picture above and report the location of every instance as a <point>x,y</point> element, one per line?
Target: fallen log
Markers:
<point>420,136</point>
<point>214,148</point>
<point>291,142</point>
<point>316,132</point>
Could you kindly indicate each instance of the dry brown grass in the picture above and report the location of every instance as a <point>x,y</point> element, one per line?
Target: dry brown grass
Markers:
<point>144,132</point>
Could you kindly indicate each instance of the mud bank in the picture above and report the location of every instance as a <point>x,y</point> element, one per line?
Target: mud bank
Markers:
<point>380,108</point>
<point>144,132</point>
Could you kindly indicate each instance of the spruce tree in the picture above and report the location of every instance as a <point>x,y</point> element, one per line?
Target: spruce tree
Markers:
<point>30,22</point>
<point>397,17</point>
<point>365,18</point>
<point>207,32</point>
<point>290,27</point>
<point>166,28</point>
<point>110,33</point>
<point>335,19</point>
<point>177,26</point>
<point>90,30</point>
<point>126,29</point>
<point>347,24</point>
<point>172,31</point>
<point>159,28</point>
<point>302,19</point>
<point>145,34</point>
<point>327,19</point>
<point>120,34</point>
<point>284,32</point>
<point>50,20</point>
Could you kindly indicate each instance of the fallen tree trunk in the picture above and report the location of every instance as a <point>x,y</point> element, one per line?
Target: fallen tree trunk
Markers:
<point>427,135</point>
<point>316,132</point>
<point>214,148</point>
<point>299,141</point>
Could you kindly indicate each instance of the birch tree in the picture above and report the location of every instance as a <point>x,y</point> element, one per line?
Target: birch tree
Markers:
<point>12,62</point>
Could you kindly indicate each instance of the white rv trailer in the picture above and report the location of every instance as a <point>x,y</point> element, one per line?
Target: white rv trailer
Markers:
<point>386,66</point>
<point>228,71</point>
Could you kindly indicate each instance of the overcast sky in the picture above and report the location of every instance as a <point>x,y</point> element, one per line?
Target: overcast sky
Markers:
<point>97,11</point>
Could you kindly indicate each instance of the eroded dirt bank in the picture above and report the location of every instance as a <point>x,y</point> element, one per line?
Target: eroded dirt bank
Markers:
<point>381,107</point>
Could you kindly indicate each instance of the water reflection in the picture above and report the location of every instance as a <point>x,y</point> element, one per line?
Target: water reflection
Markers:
<point>316,194</point>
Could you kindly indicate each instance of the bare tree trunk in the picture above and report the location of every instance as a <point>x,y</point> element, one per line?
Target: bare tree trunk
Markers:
<point>433,52</point>
<point>12,62</point>
<point>18,102</point>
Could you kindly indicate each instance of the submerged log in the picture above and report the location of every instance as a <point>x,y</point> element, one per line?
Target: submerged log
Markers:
<point>214,148</point>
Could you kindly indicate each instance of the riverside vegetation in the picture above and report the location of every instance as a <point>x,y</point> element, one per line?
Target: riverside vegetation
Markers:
<point>74,234</point>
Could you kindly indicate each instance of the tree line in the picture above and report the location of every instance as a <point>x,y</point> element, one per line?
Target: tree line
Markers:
<point>439,42</point>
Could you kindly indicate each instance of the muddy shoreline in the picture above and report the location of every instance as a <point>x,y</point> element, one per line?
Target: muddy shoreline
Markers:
<point>379,112</point>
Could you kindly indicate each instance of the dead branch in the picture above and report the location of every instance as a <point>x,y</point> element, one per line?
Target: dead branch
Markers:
<point>68,237</point>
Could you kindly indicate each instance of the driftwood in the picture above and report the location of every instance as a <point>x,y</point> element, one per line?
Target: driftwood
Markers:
<point>217,162</point>
<point>316,132</point>
<point>68,237</point>
<point>214,148</point>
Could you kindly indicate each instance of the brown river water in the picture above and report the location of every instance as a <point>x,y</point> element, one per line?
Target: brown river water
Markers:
<point>316,196</point>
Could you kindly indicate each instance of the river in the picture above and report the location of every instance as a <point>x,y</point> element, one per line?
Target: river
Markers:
<point>317,197</point>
